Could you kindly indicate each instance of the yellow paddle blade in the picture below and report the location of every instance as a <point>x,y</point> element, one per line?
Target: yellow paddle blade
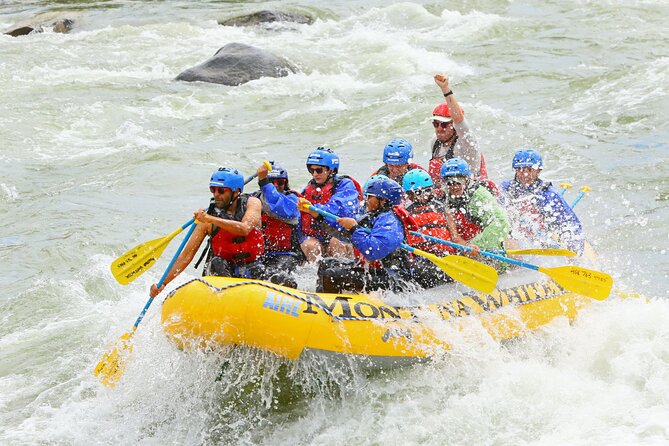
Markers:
<point>113,363</point>
<point>541,252</point>
<point>140,259</point>
<point>467,271</point>
<point>586,282</point>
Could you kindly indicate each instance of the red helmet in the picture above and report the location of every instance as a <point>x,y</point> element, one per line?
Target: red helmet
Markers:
<point>442,113</point>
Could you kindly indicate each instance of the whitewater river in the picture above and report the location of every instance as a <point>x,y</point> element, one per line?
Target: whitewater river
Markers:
<point>100,149</point>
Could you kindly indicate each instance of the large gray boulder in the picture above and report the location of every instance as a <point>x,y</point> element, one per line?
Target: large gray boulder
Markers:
<point>259,17</point>
<point>236,64</point>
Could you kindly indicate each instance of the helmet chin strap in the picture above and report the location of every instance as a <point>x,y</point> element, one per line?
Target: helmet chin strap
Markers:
<point>234,198</point>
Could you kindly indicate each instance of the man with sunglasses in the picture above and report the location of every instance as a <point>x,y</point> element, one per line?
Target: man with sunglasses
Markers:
<point>280,219</point>
<point>539,214</point>
<point>397,156</point>
<point>481,223</point>
<point>454,139</point>
<point>337,194</point>
<point>232,223</point>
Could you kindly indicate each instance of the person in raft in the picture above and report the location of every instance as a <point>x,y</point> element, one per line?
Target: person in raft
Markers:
<point>538,213</point>
<point>232,223</point>
<point>481,222</point>
<point>397,157</point>
<point>331,192</point>
<point>280,219</point>
<point>432,218</point>
<point>454,139</point>
<point>377,237</point>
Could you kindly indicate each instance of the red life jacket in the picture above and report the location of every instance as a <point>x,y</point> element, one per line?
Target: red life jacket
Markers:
<point>280,234</point>
<point>237,249</point>
<point>431,220</point>
<point>467,228</point>
<point>321,195</point>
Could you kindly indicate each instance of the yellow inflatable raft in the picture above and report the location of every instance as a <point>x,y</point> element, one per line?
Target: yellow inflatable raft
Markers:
<point>223,311</point>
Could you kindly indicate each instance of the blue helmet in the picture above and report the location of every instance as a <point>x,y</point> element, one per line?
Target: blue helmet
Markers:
<point>385,188</point>
<point>227,177</point>
<point>455,167</point>
<point>323,156</point>
<point>397,151</point>
<point>527,158</point>
<point>277,171</point>
<point>378,176</point>
<point>416,179</point>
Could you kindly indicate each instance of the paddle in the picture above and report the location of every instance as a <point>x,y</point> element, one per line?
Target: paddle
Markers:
<point>586,282</point>
<point>536,252</point>
<point>139,259</point>
<point>113,363</point>
<point>564,187</point>
<point>584,190</point>
<point>142,257</point>
<point>467,271</point>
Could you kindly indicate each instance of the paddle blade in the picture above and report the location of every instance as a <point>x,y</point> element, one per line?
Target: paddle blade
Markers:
<point>113,363</point>
<point>467,271</point>
<point>139,259</point>
<point>586,282</point>
<point>541,252</point>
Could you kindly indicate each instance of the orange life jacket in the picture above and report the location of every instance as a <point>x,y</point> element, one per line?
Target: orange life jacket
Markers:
<point>237,249</point>
<point>431,220</point>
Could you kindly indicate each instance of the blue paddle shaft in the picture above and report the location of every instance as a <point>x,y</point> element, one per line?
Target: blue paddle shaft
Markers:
<point>169,268</point>
<point>578,198</point>
<point>467,248</point>
<point>249,178</point>
<point>325,214</point>
<point>188,223</point>
<point>330,216</point>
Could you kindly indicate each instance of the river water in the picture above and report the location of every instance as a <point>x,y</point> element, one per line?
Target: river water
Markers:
<point>100,149</point>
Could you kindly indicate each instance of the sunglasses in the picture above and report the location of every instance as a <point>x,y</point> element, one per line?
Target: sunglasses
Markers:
<point>279,182</point>
<point>419,192</point>
<point>443,125</point>
<point>454,182</point>
<point>220,189</point>
<point>316,170</point>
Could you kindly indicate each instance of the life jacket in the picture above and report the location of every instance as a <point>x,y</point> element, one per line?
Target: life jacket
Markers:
<point>431,220</point>
<point>280,233</point>
<point>321,195</point>
<point>236,249</point>
<point>383,170</point>
<point>468,225</point>
<point>436,163</point>
<point>525,206</point>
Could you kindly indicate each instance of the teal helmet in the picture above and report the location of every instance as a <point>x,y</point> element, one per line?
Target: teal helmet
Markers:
<point>416,179</point>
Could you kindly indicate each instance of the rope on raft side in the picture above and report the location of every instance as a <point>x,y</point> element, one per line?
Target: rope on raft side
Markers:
<point>324,309</point>
<point>277,289</point>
